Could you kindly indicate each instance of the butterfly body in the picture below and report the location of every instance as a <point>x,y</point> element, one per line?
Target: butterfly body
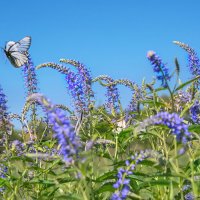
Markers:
<point>17,52</point>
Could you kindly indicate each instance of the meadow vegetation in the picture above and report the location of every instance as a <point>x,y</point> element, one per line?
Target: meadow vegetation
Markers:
<point>149,150</point>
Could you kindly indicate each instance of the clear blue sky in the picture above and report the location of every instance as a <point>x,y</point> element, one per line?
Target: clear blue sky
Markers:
<point>110,36</point>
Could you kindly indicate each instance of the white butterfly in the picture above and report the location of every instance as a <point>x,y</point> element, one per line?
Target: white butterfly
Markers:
<point>17,52</point>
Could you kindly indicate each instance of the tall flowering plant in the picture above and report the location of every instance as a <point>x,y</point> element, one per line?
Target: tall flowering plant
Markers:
<point>89,152</point>
<point>63,131</point>
<point>4,118</point>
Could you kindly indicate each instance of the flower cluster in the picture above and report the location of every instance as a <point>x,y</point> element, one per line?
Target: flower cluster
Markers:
<point>3,106</point>
<point>195,112</point>
<point>159,68</point>
<point>181,99</point>
<point>30,77</point>
<point>4,118</point>
<point>122,183</point>
<point>172,121</point>
<point>75,87</point>
<point>3,171</point>
<point>194,62</point>
<point>134,103</point>
<point>113,97</point>
<point>18,147</point>
<point>112,92</point>
<point>30,83</point>
<point>188,195</point>
<point>64,132</point>
<point>85,76</point>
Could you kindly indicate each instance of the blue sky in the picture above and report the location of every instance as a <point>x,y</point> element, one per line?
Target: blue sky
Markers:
<point>110,36</point>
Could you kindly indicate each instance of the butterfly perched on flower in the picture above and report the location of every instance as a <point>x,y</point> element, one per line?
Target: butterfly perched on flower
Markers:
<point>17,52</point>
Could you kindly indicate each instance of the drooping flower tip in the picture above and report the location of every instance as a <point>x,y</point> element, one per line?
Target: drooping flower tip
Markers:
<point>150,54</point>
<point>193,59</point>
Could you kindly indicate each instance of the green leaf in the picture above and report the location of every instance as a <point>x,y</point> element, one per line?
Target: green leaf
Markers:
<point>194,128</point>
<point>107,187</point>
<point>106,176</point>
<point>161,182</point>
<point>22,158</point>
<point>69,196</point>
<point>52,193</point>
<point>186,83</point>
<point>152,102</point>
<point>160,89</point>
<point>148,163</point>
<point>65,180</point>
<point>43,182</point>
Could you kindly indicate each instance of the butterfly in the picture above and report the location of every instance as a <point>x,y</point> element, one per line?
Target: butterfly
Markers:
<point>17,52</point>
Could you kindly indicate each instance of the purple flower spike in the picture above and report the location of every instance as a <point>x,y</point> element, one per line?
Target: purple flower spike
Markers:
<point>64,132</point>
<point>4,121</point>
<point>85,76</point>
<point>30,83</point>
<point>172,121</point>
<point>122,183</point>
<point>3,106</point>
<point>133,105</point>
<point>159,68</point>
<point>113,97</point>
<point>75,87</point>
<point>112,93</point>
<point>194,62</point>
<point>30,77</point>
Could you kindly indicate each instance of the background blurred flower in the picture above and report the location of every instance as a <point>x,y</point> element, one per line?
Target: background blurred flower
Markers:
<point>195,112</point>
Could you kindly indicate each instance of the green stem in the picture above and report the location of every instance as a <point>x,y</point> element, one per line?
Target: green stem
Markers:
<point>170,91</point>
<point>116,146</point>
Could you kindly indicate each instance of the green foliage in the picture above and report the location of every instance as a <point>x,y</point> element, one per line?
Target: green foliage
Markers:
<point>37,171</point>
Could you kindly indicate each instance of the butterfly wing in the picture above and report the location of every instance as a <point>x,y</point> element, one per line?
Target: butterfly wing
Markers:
<point>22,45</point>
<point>17,51</point>
<point>17,59</point>
<point>9,45</point>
